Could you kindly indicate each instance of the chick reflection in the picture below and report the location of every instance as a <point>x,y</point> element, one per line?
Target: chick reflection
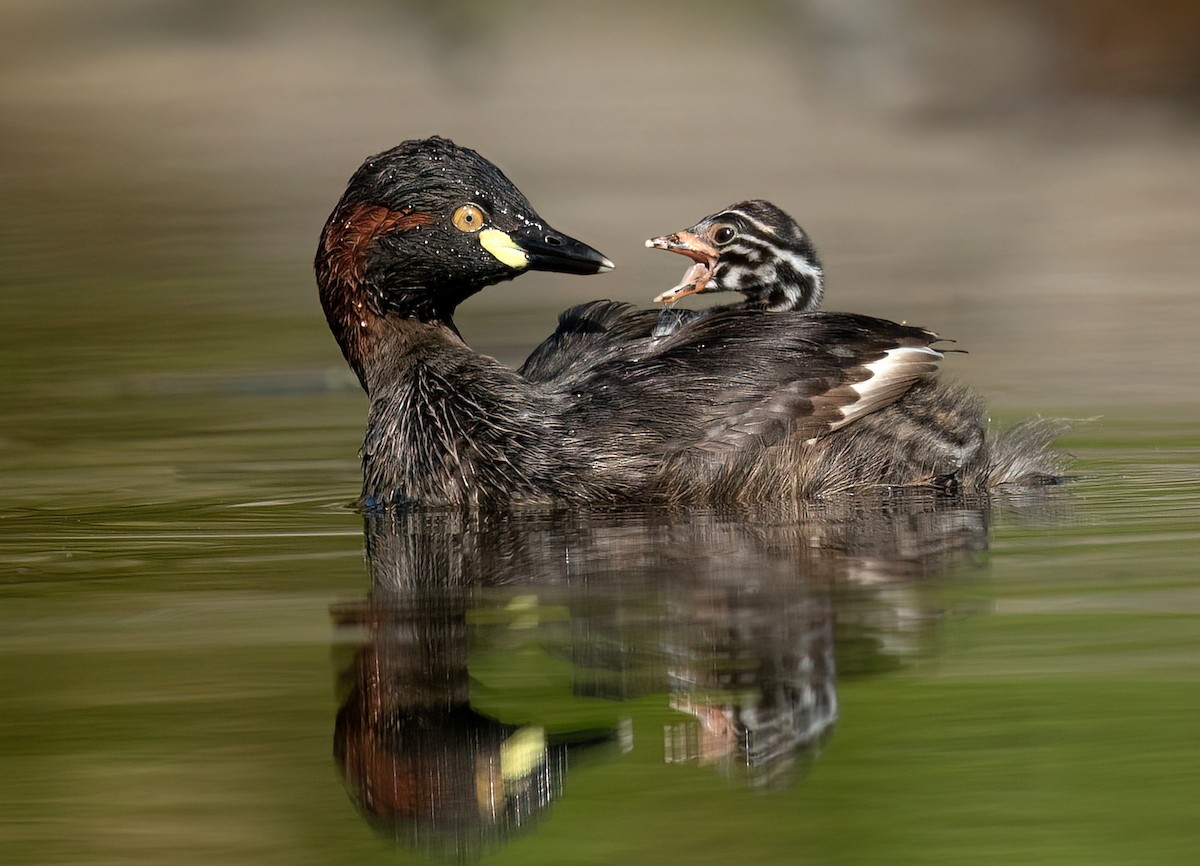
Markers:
<point>731,616</point>
<point>758,675</point>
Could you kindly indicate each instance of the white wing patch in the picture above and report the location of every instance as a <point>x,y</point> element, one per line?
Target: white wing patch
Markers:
<point>890,377</point>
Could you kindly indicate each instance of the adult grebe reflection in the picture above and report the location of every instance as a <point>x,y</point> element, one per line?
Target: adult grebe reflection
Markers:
<point>497,648</point>
<point>422,764</point>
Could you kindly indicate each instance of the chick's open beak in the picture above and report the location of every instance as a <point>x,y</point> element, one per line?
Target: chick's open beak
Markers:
<point>704,254</point>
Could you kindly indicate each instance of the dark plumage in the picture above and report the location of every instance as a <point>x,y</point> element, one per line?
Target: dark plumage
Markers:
<point>738,405</point>
<point>595,330</point>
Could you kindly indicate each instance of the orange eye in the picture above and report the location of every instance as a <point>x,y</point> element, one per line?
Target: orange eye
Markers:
<point>469,218</point>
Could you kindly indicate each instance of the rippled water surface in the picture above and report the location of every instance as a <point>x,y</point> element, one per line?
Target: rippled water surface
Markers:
<point>206,657</point>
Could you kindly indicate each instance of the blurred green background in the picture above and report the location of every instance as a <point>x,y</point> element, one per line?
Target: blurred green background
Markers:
<point>1023,177</point>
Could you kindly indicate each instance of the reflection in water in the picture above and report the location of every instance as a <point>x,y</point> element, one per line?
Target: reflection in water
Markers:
<point>420,761</point>
<point>756,671</point>
<point>743,621</point>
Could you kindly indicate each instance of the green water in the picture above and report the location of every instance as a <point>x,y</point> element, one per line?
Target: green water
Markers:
<point>201,663</point>
<point>186,608</point>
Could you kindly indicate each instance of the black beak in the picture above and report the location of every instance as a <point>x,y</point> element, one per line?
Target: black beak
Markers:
<point>550,250</point>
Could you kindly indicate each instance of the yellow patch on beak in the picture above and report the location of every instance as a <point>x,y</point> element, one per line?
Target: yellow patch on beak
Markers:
<point>522,753</point>
<point>504,248</point>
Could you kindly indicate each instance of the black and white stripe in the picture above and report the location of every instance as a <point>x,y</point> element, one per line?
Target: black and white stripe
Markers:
<point>752,247</point>
<point>770,259</point>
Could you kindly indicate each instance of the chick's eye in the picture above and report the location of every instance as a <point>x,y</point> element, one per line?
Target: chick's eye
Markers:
<point>469,218</point>
<point>724,234</point>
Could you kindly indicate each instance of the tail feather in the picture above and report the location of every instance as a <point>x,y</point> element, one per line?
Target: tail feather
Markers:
<point>1024,455</point>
